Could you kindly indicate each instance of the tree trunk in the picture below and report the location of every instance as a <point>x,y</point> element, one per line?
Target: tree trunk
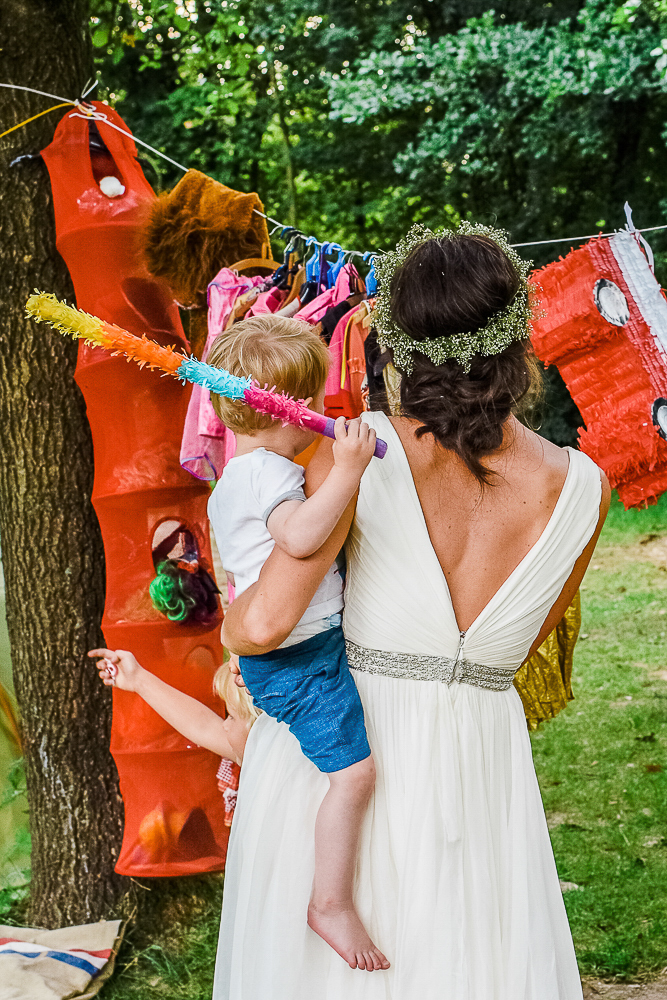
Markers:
<point>289,169</point>
<point>292,212</point>
<point>51,543</point>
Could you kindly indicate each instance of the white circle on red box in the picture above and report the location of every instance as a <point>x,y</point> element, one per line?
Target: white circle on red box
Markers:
<point>611,302</point>
<point>659,415</point>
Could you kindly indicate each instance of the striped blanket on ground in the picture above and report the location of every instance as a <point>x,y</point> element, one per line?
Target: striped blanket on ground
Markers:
<point>71,963</point>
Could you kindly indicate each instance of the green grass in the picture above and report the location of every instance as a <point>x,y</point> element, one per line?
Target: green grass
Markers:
<point>602,764</point>
<point>178,963</point>
<point>14,836</point>
<point>602,767</point>
<point>622,527</point>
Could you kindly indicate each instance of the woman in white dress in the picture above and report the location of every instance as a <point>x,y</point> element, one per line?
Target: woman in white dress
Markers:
<point>469,541</point>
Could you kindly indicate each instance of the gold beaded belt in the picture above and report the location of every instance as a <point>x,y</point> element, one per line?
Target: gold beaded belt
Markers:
<point>412,667</point>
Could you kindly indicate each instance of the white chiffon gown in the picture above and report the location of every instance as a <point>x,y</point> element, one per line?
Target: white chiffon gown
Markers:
<point>456,881</point>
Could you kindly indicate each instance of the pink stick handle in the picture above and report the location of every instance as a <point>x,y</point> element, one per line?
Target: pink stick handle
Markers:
<point>282,407</point>
<point>325,425</point>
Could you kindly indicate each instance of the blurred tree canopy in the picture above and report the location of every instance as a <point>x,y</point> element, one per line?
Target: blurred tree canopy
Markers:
<point>356,118</point>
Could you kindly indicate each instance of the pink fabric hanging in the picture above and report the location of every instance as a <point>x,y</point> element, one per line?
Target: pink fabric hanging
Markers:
<point>206,446</point>
<point>342,391</point>
<point>344,287</point>
<point>336,378</point>
<point>267,302</point>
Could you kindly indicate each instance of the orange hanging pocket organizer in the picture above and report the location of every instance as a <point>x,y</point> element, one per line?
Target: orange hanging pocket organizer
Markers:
<point>174,813</point>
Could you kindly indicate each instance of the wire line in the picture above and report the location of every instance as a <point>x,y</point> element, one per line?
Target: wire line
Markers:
<point>578,239</point>
<point>31,90</point>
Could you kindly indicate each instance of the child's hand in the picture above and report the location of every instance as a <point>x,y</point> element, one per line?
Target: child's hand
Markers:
<point>117,668</point>
<point>235,670</point>
<point>354,445</point>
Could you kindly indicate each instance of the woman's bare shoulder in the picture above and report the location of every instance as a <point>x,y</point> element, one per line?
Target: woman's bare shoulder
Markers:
<point>536,470</point>
<point>552,462</point>
<point>541,454</point>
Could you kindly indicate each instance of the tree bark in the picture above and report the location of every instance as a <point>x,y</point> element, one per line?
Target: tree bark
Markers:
<point>52,548</point>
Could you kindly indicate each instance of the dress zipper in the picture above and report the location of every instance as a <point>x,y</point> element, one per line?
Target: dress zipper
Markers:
<point>458,662</point>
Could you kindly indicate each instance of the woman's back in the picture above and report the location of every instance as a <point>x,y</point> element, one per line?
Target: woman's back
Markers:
<point>481,534</point>
<point>439,568</point>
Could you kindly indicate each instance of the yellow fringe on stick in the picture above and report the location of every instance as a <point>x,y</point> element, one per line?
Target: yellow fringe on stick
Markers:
<point>45,308</point>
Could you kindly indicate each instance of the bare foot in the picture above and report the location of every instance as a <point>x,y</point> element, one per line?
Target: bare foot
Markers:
<point>344,931</point>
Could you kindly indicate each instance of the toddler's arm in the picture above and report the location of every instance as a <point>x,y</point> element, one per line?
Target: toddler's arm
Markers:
<point>301,527</point>
<point>187,715</point>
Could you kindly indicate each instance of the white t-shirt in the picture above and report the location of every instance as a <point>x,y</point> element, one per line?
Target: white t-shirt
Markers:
<point>251,487</point>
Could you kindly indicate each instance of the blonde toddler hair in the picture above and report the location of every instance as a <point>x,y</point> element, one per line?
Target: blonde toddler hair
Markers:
<point>238,699</point>
<point>283,353</point>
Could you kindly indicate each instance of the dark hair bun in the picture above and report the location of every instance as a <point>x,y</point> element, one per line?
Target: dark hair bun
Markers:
<point>455,286</point>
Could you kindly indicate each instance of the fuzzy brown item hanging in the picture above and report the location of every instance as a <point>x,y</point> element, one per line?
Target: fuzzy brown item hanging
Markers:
<point>193,231</point>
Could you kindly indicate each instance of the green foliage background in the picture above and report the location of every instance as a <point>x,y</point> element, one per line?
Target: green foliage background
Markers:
<point>356,118</point>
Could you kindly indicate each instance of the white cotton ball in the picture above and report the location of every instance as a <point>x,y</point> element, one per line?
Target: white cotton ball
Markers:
<point>112,187</point>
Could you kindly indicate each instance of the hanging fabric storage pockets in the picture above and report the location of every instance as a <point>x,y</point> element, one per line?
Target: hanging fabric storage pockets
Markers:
<point>174,813</point>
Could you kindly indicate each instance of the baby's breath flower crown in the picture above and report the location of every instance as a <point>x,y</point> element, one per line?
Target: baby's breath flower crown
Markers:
<point>511,323</point>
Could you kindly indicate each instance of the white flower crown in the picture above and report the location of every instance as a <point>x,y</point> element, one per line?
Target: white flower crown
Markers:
<point>509,324</point>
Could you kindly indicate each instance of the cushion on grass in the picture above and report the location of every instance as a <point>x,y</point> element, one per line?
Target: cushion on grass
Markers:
<point>71,963</point>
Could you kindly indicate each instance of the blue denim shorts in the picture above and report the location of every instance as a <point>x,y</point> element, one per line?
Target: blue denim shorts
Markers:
<point>309,686</point>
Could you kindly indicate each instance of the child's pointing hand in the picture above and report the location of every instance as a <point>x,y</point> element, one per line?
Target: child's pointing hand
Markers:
<point>117,668</point>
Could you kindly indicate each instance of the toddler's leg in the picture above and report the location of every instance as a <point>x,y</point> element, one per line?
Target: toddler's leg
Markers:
<point>331,912</point>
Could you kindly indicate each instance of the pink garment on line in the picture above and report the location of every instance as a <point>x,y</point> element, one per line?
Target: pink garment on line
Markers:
<point>268,302</point>
<point>333,383</point>
<point>207,445</point>
<point>345,285</point>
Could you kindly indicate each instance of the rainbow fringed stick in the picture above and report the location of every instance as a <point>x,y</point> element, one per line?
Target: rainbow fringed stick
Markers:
<point>46,308</point>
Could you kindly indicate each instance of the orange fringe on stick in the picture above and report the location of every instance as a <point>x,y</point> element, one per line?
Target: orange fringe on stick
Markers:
<point>45,308</point>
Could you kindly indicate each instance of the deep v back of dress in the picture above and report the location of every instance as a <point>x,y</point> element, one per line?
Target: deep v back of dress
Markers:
<point>397,598</point>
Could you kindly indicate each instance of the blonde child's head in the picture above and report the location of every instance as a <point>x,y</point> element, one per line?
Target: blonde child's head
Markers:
<point>237,699</point>
<point>280,352</point>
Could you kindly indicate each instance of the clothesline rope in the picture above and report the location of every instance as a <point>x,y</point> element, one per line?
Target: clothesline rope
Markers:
<point>578,239</point>
<point>64,102</point>
<point>88,88</point>
<point>100,116</point>
<point>31,90</point>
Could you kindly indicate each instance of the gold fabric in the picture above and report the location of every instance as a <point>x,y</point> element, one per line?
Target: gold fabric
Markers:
<point>544,681</point>
<point>392,384</point>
